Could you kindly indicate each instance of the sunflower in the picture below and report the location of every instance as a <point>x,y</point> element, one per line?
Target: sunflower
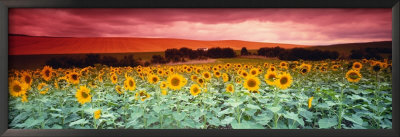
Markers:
<point>27,79</point>
<point>47,73</point>
<point>284,81</point>
<point>97,114</point>
<point>143,95</point>
<point>251,83</point>
<point>283,65</point>
<point>266,65</point>
<point>176,81</point>
<point>238,80</point>
<point>114,78</point>
<point>364,61</point>
<point>153,79</point>
<point>83,95</point>
<point>215,68</point>
<point>254,72</point>
<point>195,90</point>
<point>353,76</point>
<point>357,66</point>
<point>230,88</point>
<point>270,77</point>
<point>310,102</point>
<point>73,78</point>
<point>217,74</point>
<point>305,68</point>
<point>323,69</point>
<point>225,77</point>
<point>244,74</point>
<point>200,81</point>
<point>189,70</point>
<point>17,88</point>
<point>272,69</point>
<point>377,66</point>
<point>160,72</point>
<point>197,71</point>
<point>163,85</point>
<point>335,67</point>
<point>130,83</point>
<point>119,89</point>
<point>206,75</point>
<point>194,77</point>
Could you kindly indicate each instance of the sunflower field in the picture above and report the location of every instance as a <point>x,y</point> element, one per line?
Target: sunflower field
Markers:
<point>270,94</point>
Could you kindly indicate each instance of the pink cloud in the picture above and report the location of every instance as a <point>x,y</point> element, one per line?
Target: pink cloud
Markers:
<point>295,26</point>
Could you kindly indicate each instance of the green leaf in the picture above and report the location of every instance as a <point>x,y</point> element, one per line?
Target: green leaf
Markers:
<point>306,114</point>
<point>227,120</point>
<point>327,122</point>
<point>246,125</point>
<point>275,108</point>
<point>179,116</point>
<point>226,111</point>
<point>22,116</point>
<point>293,116</point>
<point>251,106</point>
<point>355,119</point>
<point>214,121</point>
<point>264,118</point>
<point>78,122</point>
<point>157,108</point>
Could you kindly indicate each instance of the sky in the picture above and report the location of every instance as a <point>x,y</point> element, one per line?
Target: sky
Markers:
<point>291,26</point>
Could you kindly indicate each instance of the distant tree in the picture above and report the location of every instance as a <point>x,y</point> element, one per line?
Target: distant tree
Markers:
<point>356,54</point>
<point>128,61</point>
<point>185,52</point>
<point>244,51</point>
<point>173,55</point>
<point>158,59</point>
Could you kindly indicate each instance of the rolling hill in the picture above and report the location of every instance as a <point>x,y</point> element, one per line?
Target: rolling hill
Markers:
<point>33,45</point>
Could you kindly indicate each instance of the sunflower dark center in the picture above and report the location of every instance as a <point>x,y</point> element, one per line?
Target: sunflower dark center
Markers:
<point>84,94</point>
<point>130,83</point>
<point>114,78</point>
<point>28,79</point>
<point>272,69</point>
<point>195,90</point>
<point>245,74</point>
<point>217,73</point>
<point>17,88</point>
<point>357,66</point>
<point>303,70</point>
<point>230,88</point>
<point>283,80</point>
<point>253,72</point>
<point>155,79</point>
<point>74,76</point>
<point>47,73</point>
<point>206,75</point>
<point>251,83</point>
<point>201,81</point>
<point>175,81</point>
<point>271,76</point>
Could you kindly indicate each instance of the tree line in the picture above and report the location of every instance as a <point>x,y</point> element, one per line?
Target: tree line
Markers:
<point>91,60</point>
<point>182,54</point>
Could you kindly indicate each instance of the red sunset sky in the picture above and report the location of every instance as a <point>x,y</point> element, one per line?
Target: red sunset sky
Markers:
<point>292,26</point>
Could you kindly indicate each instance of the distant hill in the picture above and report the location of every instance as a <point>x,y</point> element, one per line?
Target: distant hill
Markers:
<point>34,45</point>
<point>345,49</point>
